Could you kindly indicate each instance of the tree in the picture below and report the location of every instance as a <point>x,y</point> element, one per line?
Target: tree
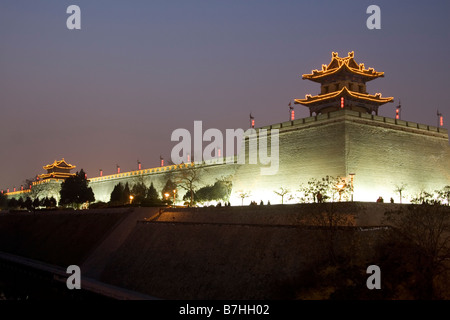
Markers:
<point>3,201</point>
<point>152,198</point>
<point>444,195</point>
<point>126,193</point>
<point>139,192</point>
<point>399,189</point>
<point>330,222</point>
<point>28,204</point>
<point>282,192</point>
<point>20,203</point>
<point>46,202</point>
<point>320,190</point>
<point>188,179</point>
<point>423,197</point>
<point>243,195</point>
<point>12,203</point>
<point>75,190</point>
<point>29,182</point>
<point>36,203</point>
<point>52,202</point>
<point>220,190</point>
<point>421,233</point>
<point>168,191</point>
<point>117,194</point>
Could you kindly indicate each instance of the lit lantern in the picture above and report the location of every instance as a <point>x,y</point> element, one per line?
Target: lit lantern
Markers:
<point>118,169</point>
<point>21,188</point>
<point>161,159</point>
<point>291,111</point>
<point>139,166</point>
<point>397,113</point>
<point>188,158</point>
<point>218,152</point>
<point>440,119</point>
<point>101,173</point>
<point>342,102</point>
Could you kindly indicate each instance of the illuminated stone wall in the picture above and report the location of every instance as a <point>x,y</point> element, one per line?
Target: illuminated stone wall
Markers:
<point>381,152</point>
<point>385,152</point>
<point>210,172</point>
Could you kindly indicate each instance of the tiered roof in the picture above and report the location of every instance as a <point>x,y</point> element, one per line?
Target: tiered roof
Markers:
<point>343,65</point>
<point>343,86</point>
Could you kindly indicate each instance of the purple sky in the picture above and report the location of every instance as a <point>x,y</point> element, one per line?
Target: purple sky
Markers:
<point>113,92</point>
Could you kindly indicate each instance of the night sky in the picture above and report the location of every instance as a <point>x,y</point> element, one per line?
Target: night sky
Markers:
<point>113,92</point>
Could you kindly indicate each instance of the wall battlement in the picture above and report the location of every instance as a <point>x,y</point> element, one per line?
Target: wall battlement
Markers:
<point>360,117</point>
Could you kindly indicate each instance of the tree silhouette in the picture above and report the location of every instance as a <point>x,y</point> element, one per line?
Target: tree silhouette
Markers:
<point>400,189</point>
<point>3,201</point>
<point>36,203</point>
<point>152,198</point>
<point>220,190</point>
<point>243,195</point>
<point>12,203</point>
<point>422,235</point>
<point>282,192</point>
<point>28,203</point>
<point>117,194</point>
<point>188,179</point>
<point>75,191</point>
<point>139,192</point>
<point>168,190</point>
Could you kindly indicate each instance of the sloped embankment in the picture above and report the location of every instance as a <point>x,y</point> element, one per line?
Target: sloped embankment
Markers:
<point>60,237</point>
<point>209,254</point>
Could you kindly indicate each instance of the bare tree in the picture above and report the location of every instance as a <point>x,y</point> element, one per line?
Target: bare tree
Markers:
<point>243,195</point>
<point>189,179</point>
<point>330,222</point>
<point>400,189</point>
<point>427,229</point>
<point>282,192</point>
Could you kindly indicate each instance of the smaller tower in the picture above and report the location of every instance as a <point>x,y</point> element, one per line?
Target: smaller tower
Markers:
<point>57,170</point>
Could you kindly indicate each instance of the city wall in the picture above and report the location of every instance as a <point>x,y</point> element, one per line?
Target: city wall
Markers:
<point>381,152</point>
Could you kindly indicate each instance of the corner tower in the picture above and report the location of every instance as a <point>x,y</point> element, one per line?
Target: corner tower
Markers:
<point>57,170</point>
<point>343,86</point>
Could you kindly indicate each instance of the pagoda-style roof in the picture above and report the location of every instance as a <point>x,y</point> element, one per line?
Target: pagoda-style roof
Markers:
<point>61,164</point>
<point>343,65</point>
<point>55,175</point>
<point>344,92</point>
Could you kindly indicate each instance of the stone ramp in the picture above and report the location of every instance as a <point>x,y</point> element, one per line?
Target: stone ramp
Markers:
<point>99,257</point>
